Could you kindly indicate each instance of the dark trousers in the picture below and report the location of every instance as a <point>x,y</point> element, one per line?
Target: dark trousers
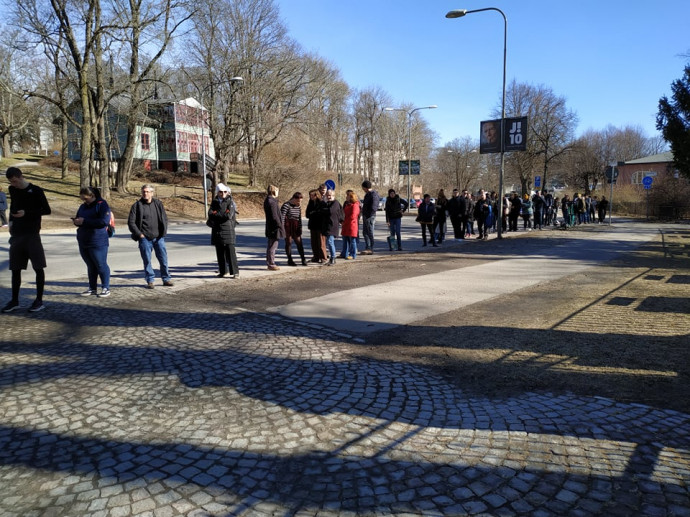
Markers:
<point>430,227</point>
<point>458,227</point>
<point>227,259</point>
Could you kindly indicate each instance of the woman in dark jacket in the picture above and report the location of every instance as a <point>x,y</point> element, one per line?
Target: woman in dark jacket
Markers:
<point>222,218</point>
<point>440,216</point>
<point>318,239</point>
<point>92,220</point>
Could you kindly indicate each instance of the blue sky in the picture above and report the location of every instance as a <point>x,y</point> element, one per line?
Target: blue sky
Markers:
<point>611,59</point>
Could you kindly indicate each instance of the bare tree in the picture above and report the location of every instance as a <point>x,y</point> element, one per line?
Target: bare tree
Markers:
<point>458,164</point>
<point>550,133</point>
<point>367,110</point>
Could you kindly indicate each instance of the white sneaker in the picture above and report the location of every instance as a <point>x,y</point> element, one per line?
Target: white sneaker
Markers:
<point>104,293</point>
<point>89,292</point>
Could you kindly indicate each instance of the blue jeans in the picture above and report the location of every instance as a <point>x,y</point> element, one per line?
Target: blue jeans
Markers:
<point>158,246</point>
<point>330,246</point>
<point>96,260</point>
<point>368,231</point>
<point>350,246</point>
<point>395,225</point>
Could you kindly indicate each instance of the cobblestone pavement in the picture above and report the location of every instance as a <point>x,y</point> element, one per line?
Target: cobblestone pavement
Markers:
<point>123,412</point>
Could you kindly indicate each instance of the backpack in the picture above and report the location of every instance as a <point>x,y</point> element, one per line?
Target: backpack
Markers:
<point>111,224</point>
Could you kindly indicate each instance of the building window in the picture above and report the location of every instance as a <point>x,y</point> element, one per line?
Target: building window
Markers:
<point>638,176</point>
<point>145,142</point>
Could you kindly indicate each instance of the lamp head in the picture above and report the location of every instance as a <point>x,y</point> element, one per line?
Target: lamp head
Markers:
<point>236,79</point>
<point>456,13</point>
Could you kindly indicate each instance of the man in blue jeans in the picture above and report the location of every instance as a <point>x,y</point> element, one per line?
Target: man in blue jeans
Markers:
<point>148,224</point>
<point>370,205</point>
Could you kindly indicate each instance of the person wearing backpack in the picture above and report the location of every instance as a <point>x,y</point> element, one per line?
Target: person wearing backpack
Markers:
<point>92,221</point>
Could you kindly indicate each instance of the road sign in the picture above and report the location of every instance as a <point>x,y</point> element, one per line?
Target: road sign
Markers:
<point>330,184</point>
<point>611,173</point>
<point>403,164</point>
<point>537,181</point>
<point>647,182</point>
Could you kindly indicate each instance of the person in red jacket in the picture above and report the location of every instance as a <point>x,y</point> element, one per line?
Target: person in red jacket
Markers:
<point>350,227</point>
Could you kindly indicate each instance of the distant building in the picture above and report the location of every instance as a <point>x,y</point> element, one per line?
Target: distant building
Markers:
<point>633,172</point>
<point>169,136</point>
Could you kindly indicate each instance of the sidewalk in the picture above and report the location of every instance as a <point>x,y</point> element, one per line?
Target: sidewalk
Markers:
<point>160,404</point>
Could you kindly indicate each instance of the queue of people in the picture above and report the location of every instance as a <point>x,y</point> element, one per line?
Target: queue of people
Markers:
<point>327,220</point>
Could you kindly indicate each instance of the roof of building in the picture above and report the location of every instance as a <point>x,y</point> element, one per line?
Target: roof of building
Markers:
<point>666,157</point>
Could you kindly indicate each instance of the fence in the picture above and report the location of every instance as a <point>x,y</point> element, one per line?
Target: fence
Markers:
<point>642,209</point>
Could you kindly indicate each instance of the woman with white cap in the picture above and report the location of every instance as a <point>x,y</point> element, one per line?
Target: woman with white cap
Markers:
<point>222,218</point>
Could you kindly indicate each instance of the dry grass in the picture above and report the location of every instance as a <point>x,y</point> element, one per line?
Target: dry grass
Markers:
<point>182,196</point>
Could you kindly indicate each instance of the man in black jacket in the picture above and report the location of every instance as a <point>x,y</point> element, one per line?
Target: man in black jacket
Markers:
<point>28,204</point>
<point>148,224</point>
<point>370,205</point>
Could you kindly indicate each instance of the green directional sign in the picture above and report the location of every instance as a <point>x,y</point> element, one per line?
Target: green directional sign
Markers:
<point>404,164</point>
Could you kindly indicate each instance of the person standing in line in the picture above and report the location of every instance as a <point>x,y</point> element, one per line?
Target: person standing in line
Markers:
<point>505,212</point>
<point>468,218</point>
<point>394,212</point>
<point>515,209</point>
<point>370,205</point>
<point>350,228</point>
<point>222,217</point>
<point>594,201</point>
<point>274,226</point>
<point>538,207</point>
<point>602,207</point>
<point>148,224</point>
<point>332,217</point>
<point>527,212</point>
<point>481,213</point>
<point>92,220</point>
<point>425,217</point>
<point>440,216</point>
<point>318,240</point>
<point>291,213</point>
<point>3,208</point>
<point>455,208</point>
<point>28,204</point>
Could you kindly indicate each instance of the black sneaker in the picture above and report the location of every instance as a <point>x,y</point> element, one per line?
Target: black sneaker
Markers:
<point>11,306</point>
<point>37,306</point>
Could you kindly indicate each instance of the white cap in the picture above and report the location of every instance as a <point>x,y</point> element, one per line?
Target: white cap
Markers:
<point>222,187</point>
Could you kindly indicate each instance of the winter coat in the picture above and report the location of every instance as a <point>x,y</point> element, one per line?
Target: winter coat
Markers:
<point>274,222</point>
<point>313,215</point>
<point>331,217</point>
<point>425,213</point>
<point>223,218</point>
<point>135,218</point>
<point>93,232</point>
<point>370,204</point>
<point>393,208</point>
<point>351,220</point>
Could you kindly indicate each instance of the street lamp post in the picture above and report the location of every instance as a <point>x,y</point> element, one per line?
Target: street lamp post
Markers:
<point>232,80</point>
<point>459,13</point>
<point>409,138</point>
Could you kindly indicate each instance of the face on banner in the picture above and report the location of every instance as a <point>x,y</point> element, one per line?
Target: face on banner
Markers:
<point>490,137</point>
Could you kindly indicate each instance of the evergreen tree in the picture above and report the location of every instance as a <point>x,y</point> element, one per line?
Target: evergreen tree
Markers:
<point>673,120</point>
